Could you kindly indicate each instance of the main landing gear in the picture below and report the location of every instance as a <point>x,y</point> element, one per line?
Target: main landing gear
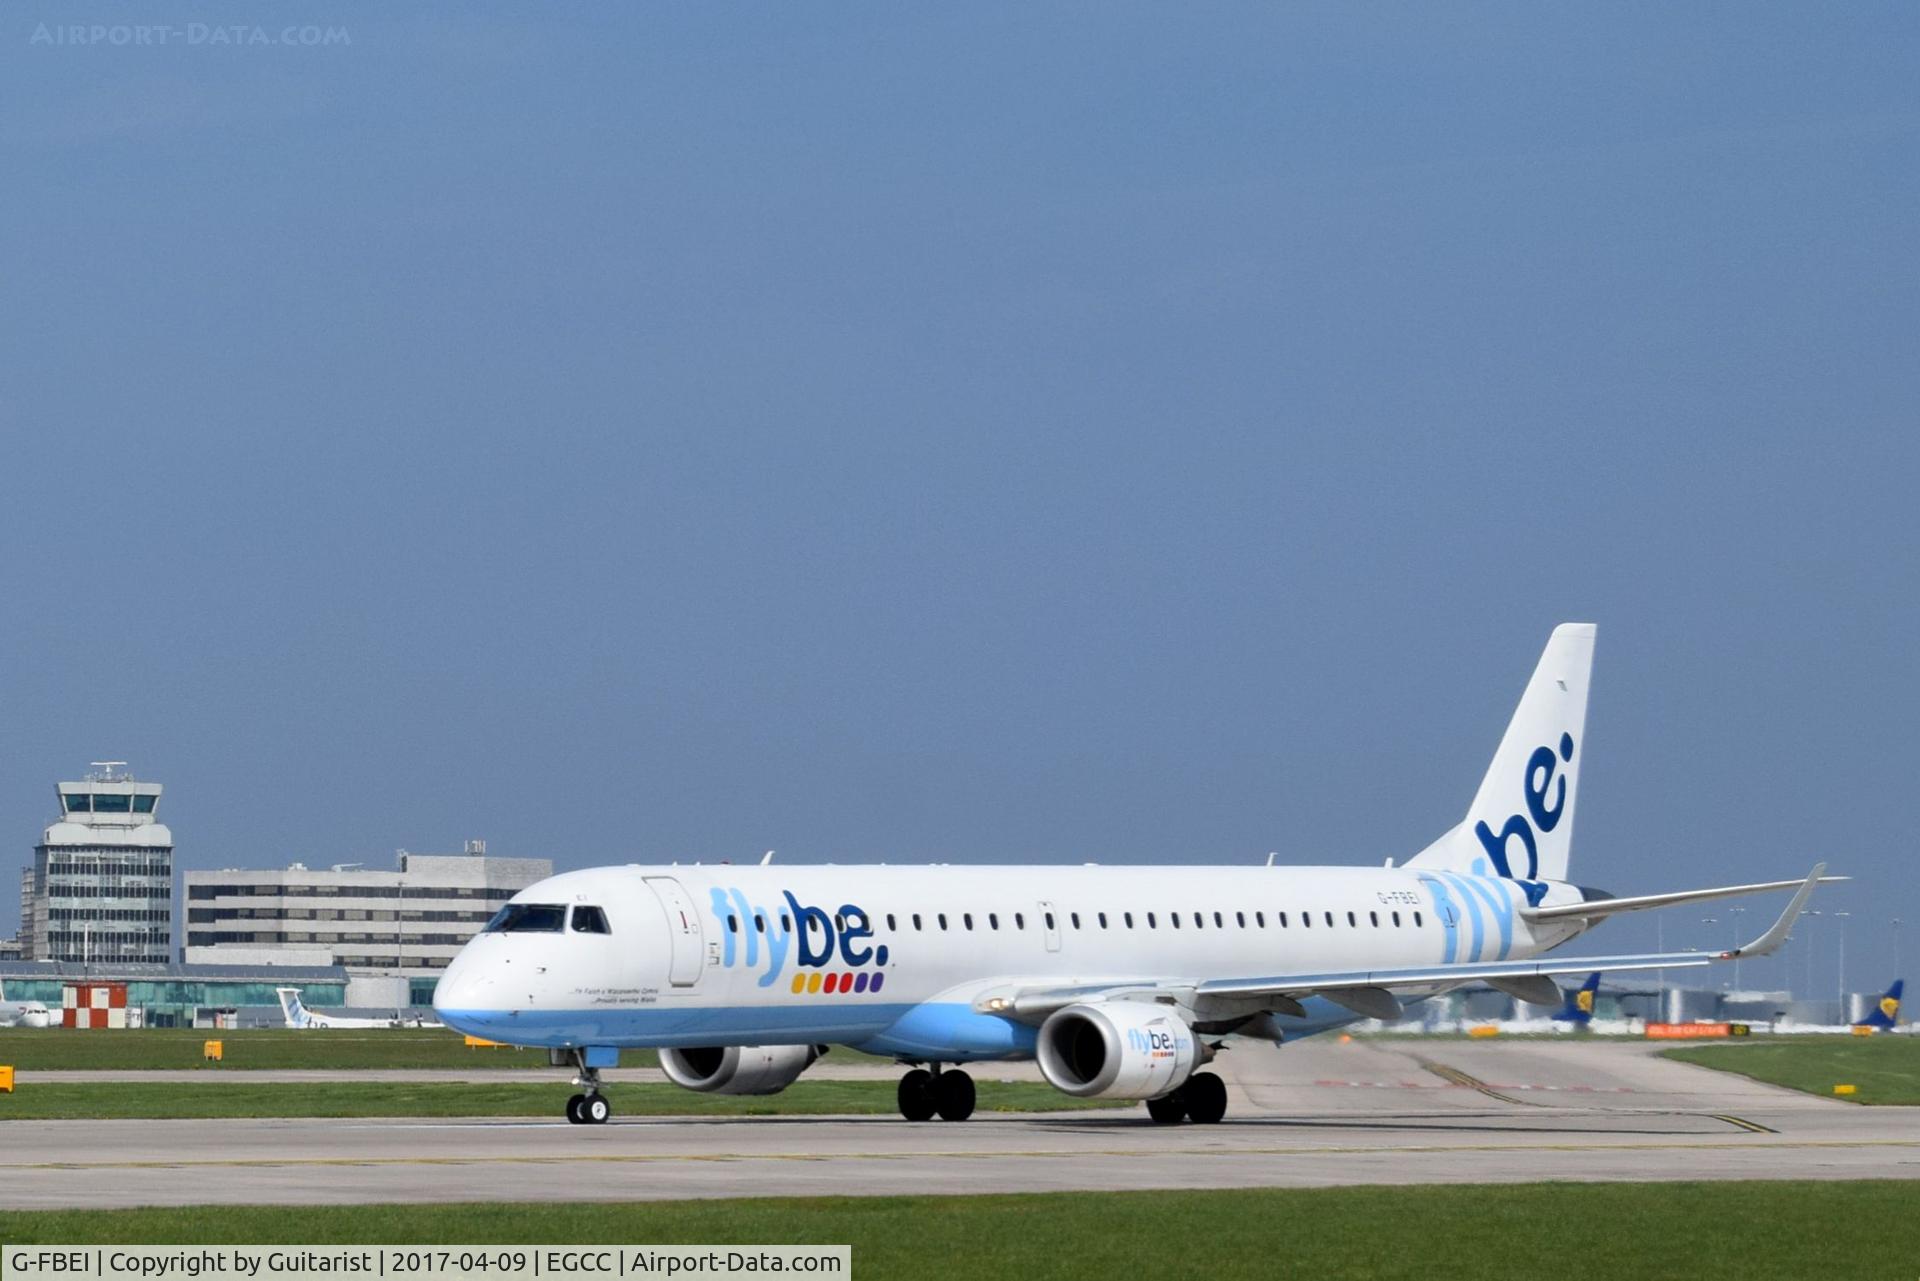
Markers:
<point>591,1107</point>
<point>1202,1100</point>
<point>946,1092</point>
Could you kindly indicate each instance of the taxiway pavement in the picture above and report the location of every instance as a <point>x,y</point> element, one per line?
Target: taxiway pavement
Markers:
<point>1317,1113</point>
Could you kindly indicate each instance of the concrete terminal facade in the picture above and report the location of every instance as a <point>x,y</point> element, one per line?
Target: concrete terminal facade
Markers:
<point>407,923</point>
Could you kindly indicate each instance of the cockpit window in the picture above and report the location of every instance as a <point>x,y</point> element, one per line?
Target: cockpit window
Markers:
<point>591,920</point>
<point>528,918</point>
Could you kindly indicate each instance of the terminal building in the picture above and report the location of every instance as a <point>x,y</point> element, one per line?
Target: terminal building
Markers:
<point>406,924</point>
<point>100,888</point>
<point>187,995</point>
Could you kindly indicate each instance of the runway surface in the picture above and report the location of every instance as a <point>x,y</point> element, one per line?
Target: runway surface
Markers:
<point>1313,1114</point>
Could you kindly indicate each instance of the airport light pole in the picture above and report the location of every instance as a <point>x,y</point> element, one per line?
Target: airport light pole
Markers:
<point>1842,918</point>
<point>1896,947</point>
<point>1806,912</point>
<point>1660,946</point>
<point>1712,920</point>
<point>1734,947</point>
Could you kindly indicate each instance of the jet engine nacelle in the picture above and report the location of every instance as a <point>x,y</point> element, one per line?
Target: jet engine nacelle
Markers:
<point>738,1069</point>
<point>1117,1050</point>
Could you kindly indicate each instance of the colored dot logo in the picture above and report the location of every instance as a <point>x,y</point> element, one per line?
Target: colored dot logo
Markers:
<point>837,983</point>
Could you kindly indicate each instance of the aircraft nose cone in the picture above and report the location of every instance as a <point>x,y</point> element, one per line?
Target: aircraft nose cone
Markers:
<point>462,994</point>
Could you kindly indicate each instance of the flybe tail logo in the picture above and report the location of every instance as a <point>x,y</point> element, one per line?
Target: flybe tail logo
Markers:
<point>1543,781</point>
<point>815,939</point>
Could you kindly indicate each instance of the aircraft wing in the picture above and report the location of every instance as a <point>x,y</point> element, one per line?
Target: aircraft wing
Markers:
<point>1370,992</point>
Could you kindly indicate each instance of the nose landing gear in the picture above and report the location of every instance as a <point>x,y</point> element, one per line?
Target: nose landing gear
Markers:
<point>590,1107</point>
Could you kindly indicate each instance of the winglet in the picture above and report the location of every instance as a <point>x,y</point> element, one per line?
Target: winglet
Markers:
<point>1774,937</point>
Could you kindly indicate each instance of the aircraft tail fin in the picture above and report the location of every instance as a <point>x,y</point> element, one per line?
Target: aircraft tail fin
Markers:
<point>290,1008</point>
<point>1579,1007</point>
<point>1886,1014</point>
<point>1520,824</point>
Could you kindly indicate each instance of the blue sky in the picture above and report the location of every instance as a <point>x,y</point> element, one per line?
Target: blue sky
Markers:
<point>993,433</point>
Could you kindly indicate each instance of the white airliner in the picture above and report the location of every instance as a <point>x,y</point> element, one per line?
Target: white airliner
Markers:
<point>298,1015</point>
<point>23,1013</point>
<point>1121,981</point>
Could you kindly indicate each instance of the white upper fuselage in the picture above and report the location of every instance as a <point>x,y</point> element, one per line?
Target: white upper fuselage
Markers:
<point>890,958</point>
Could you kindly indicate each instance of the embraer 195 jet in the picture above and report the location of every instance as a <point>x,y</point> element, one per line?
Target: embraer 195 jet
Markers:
<point>1123,982</point>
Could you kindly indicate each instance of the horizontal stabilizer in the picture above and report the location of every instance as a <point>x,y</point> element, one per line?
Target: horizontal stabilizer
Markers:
<point>1599,907</point>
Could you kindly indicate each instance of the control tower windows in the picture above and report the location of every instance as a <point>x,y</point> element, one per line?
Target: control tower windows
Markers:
<point>109,803</point>
<point>77,802</point>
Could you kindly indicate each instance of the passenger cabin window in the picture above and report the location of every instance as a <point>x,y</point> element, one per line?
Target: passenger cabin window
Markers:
<point>1417,920</point>
<point>1396,920</point>
<point>1351,921</point>
<point>1241,917</point>
<point>1050,924</point>
<point>1103,920</point>
<point>591,920</point>
<point>916,920</point>
<point>993,920</point>
<point>967,919</point>
<point>1019,920</point>
<point>1075,918</point>
<point>733,924</point>
<point>890,924</point>
<point>1260,919</point>
<point>528,918</point>
<point>1151,924</point>
<point>942,918</point>
<point>1375,918</point>
<point>1329,918</point>
<point>1128,918</point>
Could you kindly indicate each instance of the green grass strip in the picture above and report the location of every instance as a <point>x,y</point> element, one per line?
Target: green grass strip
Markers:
<point>1570,1232</point>
<point>1883,1069</point>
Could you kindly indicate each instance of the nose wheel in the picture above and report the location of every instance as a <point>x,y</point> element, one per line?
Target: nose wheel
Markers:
<point>588,1109</point>
<point>591,1107</point>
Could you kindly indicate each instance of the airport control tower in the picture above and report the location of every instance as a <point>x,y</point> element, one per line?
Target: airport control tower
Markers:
<point>101,885</point>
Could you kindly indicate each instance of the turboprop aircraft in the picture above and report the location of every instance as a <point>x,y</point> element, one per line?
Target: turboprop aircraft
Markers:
<point>297,1015</point>
<point>1123,982</point>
